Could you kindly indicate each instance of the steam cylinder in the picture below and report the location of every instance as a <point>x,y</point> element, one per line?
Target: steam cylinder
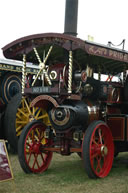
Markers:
<point>66,116</point>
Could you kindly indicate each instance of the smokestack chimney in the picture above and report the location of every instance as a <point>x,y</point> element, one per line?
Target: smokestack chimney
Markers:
<point>71,11</point>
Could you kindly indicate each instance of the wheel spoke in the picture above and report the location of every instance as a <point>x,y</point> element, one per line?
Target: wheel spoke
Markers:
<point>36,138</point>
<point>18,116</point>
<point>42,135</point>
<point>29,157</point>
<point>38,133</point>
<point>28,108</point>
<point>37,114</point>
<point>37,162</point>
<point>98,168</point>
<point>94,141</point>
<point>100,136</point>
<point>22,102</point>
<point>42,158</point>
<point>94,155</point>
<point>42,117</point>
<point>22,122</point>
<point>32,134</point>
<point>22,112</point>
<point>33,110</point>
<point>29,139</point>
<point>19,133</point>
<point>32,138</point>
<point>18,128</point>
<point>34,161</point>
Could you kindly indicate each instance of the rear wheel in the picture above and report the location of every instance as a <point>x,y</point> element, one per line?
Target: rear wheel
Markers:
<point>98,150</point>
<point>31,141</point>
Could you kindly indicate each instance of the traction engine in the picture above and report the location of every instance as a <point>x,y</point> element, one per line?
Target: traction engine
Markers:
<point>82,114</point>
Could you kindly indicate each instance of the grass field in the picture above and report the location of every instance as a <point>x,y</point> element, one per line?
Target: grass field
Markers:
<point>66,175</point>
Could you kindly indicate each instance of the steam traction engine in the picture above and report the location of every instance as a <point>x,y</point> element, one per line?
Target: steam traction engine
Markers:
<point>81,114</point>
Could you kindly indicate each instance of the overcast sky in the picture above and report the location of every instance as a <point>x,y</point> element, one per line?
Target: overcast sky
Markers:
<point>105,20</point>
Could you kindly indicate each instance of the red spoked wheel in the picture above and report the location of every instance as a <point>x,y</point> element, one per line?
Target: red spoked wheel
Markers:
<point>30,145</point>
<point>98,150</point>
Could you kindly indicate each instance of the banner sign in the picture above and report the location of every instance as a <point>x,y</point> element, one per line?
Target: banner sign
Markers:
<point>107,52</point>
<point>5,167</point>
<point>17,68</point>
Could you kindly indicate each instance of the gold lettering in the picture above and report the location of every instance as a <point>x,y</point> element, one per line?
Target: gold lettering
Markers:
<point>98,51</point>
<point>91,49</point>
<point>115,54</point>
<point>104,51</point>
<point>110,52</point>
<point>125,57</point>
<point>121,56</point>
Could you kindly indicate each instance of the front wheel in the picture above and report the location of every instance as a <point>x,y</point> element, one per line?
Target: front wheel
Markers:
<point>98,150</point>
<point>32,159</point>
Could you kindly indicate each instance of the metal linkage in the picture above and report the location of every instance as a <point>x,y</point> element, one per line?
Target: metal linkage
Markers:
<point>42,66</point>
<point>70,73</point>
<point>23,73</point>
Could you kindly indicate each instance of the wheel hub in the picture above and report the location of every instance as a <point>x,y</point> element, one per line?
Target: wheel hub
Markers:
<point>36,148</point>
<point>31,118</point>
<point>104,150</point>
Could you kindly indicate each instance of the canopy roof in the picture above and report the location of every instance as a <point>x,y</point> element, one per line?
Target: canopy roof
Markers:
<point>109,60</point>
